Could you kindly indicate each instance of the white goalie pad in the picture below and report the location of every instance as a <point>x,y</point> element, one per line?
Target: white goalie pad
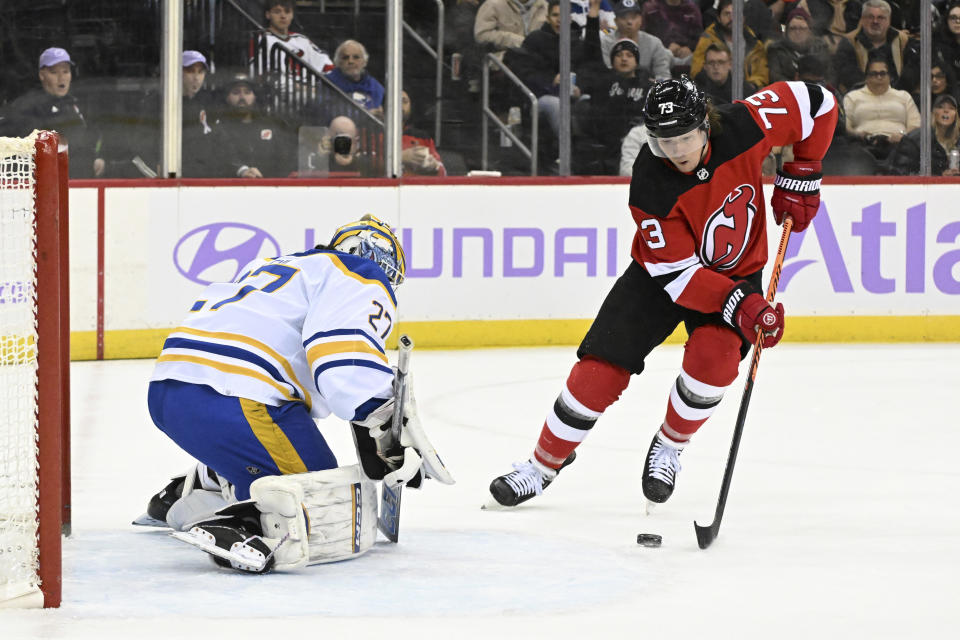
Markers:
<point>321,516</point>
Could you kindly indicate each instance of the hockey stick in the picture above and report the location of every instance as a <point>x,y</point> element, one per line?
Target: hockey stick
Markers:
<point>388,520</point>
<point>706,535</point>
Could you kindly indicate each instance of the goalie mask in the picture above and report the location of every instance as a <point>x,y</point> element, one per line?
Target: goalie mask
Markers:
<point>372,239</point>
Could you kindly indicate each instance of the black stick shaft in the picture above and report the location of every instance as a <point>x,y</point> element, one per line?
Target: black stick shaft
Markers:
<point>706,535</point>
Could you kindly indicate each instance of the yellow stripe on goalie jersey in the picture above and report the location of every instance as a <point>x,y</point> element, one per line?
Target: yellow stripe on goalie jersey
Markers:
<point>236,337</point>
<point>324,349</point>
<point>359,278</point>
<point>229,368</point>
<point>272,437</point>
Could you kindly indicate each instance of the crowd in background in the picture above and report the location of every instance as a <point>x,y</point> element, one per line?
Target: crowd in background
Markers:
<point>252,114</point>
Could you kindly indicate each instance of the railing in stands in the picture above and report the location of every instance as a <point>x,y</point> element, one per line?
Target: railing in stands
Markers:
<point>490,116</point>
<point>438,56</point>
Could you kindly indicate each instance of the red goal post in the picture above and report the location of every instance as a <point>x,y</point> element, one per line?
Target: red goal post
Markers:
<point>34,369</point>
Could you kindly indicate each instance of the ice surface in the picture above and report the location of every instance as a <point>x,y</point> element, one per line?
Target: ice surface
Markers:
<point>843,518</point>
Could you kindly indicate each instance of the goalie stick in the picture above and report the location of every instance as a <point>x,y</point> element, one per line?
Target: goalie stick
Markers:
<point>388,520</point>
<point>706,535</point>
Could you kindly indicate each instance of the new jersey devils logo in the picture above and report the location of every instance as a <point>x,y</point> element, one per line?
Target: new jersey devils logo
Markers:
<point>727,229</point>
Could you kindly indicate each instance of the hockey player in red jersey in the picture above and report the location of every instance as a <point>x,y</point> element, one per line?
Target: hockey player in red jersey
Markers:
<point>700,246</point>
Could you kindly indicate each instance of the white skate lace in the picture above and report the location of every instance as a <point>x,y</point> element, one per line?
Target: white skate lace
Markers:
<point>525,479</point>
<point>664,462</point>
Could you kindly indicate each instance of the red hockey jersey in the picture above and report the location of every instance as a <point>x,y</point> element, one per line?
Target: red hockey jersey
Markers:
<point>695,231</point>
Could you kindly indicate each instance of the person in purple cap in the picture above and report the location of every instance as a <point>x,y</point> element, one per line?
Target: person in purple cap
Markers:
<point>53,107</point>
<point>200,138</point>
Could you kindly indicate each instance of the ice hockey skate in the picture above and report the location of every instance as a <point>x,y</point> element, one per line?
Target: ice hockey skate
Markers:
<point>235,541</point>
<point>660,471</point>
<point>198,479</point>
<point>528,479</point>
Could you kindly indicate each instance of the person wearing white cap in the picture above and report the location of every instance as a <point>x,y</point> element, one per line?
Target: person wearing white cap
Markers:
<point>53,107</point>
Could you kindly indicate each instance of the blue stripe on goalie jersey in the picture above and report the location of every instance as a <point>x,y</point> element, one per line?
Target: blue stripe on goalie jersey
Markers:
<point>350,362</point>
<point>366,408</point>
<point>344,332</point>
<point>365,269</point>
<point>231,352</point>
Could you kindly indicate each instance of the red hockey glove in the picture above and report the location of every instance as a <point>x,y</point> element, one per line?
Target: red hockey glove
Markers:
<point>747,312</point>
<point>796,193</point>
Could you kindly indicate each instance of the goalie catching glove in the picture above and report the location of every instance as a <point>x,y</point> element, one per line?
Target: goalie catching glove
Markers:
<point>749,314</point>
<point>403,462</point>
<point>796,193</point>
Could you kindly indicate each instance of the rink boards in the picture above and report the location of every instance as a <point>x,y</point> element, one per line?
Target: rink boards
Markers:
<point>526,262</point>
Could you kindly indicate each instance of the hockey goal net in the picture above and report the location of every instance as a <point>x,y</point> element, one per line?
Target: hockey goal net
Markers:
<point>34,366</point>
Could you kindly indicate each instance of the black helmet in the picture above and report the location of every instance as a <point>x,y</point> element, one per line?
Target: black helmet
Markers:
<point>674,107</point>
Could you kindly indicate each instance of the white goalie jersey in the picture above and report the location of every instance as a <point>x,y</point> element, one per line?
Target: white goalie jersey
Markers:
<point>307,327</point>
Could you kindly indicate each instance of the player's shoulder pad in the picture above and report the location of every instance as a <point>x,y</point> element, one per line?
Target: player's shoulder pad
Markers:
<point>360,269</point>
<point>655,186</point>
<point>738,132</point>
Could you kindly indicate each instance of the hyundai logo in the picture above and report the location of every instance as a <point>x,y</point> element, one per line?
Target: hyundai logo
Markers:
<point>216,252</point>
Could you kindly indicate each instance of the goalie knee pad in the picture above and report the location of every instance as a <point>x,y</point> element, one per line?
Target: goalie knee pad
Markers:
<point>321,516</point>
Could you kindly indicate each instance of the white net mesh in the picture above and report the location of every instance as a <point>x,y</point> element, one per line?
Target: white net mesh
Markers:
<point>18,370</point>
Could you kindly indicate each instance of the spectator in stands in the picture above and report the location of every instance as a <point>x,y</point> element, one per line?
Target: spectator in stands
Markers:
<point>54,107</point>
<point>352,78</point>
<point>537,64</point>
<point>721,32</point>
<point>504,24</point>
<point>615,104</point>
<point>298,47</point>
<point>201,142</point>
<point>763,19</point>
<point>878,115</point>
<point>654,60</point>
<point>340,151</point>
<point>715,78</point>
<point>873,35</point>
<point>944,135</point>
<point>798,40</point>
<point>630,148</point>
<point>942,82</point>
<point>677,23</point>
<point>947,38</point>
<point>419,155</point>
<point>833,19</point>
<point>261,146</point>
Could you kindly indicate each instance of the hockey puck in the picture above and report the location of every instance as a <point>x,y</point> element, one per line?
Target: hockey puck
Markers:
<point>649,539</point>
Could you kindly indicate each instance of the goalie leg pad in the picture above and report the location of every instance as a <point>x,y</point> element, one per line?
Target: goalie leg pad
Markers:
<point>321,516</point>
